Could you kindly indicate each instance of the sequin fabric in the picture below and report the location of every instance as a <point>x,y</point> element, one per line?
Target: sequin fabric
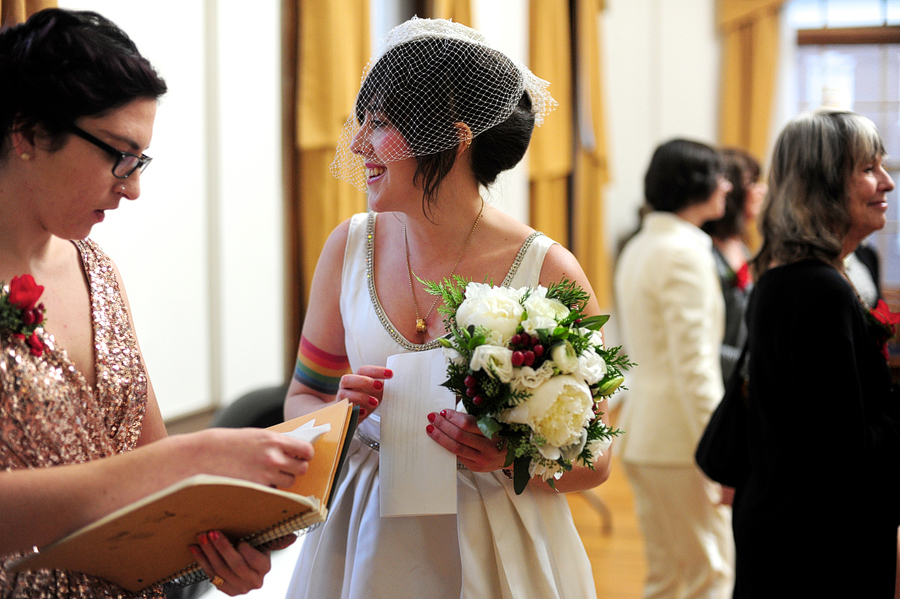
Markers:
<point>50,416</point>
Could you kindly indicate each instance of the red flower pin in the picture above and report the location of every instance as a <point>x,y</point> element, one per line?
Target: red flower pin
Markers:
<point>888,322</point>
<point>24,292</point>
<point>742,277</point>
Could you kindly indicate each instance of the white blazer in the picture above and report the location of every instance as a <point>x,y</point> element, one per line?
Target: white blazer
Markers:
<point>672,317</point>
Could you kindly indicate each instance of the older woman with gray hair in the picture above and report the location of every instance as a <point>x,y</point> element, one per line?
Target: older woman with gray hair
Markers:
<point>818,513</point>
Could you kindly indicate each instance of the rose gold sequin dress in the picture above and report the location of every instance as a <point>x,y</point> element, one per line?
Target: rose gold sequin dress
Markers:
<point>50,416</point>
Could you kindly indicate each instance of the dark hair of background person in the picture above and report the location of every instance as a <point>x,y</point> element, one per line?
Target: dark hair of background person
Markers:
<point>396,86</point>
<point>742,170</point>
<point>806,214</point>
<point>681,173</point>
<point>61,65</point>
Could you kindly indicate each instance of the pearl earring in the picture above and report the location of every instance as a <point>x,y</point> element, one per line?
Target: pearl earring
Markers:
<point>25,156</point>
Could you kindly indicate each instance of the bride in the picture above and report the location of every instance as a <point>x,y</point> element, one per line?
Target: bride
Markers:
<point>439,115</point>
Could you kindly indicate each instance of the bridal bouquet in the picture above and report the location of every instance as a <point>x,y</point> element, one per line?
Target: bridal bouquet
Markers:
<point>531,368</point>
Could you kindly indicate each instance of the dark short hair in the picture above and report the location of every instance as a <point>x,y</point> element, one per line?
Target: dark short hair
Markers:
<point>395,87</point>
<point>61,65</point>
<point>742,170</point>
<point>681,173</point>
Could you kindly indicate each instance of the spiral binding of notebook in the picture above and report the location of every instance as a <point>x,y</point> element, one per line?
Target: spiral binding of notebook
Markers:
<point>264,540</point>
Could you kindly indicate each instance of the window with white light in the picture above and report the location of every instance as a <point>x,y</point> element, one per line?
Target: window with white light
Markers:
<point>848,56</point>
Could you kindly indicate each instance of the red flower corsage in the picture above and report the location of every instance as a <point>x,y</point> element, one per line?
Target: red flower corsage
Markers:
<point>742,277</point>
<point>20,312</point>
<point>886,322</point>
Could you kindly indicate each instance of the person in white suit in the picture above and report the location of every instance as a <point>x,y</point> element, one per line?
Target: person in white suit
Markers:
<point>672,317</point>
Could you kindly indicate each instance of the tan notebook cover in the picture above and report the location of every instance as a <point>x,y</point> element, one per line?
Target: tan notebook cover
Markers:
<point>146,543</point>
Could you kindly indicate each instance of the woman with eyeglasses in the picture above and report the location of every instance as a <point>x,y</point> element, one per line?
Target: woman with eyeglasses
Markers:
<point>81,434</point>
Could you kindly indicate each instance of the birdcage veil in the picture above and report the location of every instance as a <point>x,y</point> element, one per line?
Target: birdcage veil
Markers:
<point>430,75</point>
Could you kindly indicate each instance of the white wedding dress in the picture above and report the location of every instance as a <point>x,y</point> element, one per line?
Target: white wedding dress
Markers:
<point>500,545</point>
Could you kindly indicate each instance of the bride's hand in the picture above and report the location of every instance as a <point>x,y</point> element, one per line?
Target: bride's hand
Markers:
<point>364,388</point>
<point>458,433</point>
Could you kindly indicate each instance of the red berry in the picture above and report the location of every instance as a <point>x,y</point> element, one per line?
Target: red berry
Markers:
<point>515,340</point>
<point>529,358</point>
<point>517,358</point>
<point>471,392</point>
<point>477,400</point>
<point>470,381</point>
<point>538,350</point>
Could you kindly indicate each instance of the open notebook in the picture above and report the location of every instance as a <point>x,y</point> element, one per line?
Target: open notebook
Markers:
<point>146,543</point>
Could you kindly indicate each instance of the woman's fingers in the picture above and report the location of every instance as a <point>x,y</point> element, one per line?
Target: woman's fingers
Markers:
<point>364,387</point>
<point>459,434</point>
<point>234,570</point>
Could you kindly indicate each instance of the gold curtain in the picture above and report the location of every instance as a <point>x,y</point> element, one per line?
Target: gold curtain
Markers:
<point>16,11</point>
<point>459,11</point>
<point>333,47</point>
<point>550,154</point>
<point>750,34</point>
<point>591,159</point>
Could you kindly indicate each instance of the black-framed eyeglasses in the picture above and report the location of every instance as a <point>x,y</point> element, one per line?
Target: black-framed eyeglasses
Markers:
<point>125,163</point>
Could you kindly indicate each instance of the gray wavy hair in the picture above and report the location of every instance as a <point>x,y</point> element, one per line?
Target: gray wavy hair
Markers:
<point>805,213</point>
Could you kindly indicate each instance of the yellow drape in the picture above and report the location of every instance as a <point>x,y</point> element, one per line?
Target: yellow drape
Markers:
<point>334,47</point>
<point>16,11</point>
<point>750,33</point>
<point>749,68</point>
<point>550,153</point>
<point>592,158</point>
<point>459,11</point>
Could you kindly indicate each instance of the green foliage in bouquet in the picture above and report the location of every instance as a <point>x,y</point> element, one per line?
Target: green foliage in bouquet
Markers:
<point>531,368</point>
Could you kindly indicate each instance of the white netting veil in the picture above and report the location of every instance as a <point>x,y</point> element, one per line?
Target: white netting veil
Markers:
<point>431,75</point>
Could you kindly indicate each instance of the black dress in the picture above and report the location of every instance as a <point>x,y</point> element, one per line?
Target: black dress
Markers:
<point>818,515</point>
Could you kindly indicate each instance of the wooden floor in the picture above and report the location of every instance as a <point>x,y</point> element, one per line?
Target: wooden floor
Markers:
<point>617,555</point>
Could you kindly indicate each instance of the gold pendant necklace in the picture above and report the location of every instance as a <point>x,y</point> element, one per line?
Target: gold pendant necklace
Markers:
<point>421,327</point>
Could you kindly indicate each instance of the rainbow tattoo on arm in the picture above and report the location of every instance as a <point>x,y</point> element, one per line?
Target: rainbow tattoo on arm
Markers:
<point>318,369</point>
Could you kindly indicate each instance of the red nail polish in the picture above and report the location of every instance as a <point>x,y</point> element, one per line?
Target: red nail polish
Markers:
<point>378,385</point>
<point>431,417</point>
<point>444,413</point>
<point>429,429</point>
<point>388,373</point>
<point>363,412</point>
<point>214,535</point>
<point>373,402</point>
<point>204,539</point>
<point>195,550</point>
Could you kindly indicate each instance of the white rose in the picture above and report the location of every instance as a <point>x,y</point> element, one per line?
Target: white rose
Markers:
<point>598,447</point>
<point>591,367</point>
<point>496,361</point>
<point>597,339</point>
<point>543,313</point>
<point>527,378</point>
<point>453,356</point>
<point>558,410</point>
<point>497,309</point>
<point>563,355</point>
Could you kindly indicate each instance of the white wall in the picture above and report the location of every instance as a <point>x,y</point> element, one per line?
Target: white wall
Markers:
<point>661,69</point>
<point>201,250</point>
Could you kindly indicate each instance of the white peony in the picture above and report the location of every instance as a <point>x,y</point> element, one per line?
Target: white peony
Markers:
<point>558,410</point>
<point>497,309</point>
<point>543,313</point>
<point>564,356</point>
<point>496,361</point>
<point>591,367</point>
<point>527,378</point>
